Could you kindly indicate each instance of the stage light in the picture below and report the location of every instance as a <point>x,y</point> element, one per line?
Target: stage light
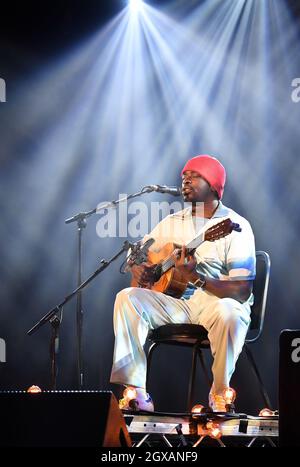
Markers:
<point>34,389</point>
<point>122,403</point>
<point>214,430</point>
<point>229,395</point>
<point>266,413</point>
<point>129,396</point>
<point>198,408</point>
<point>135,5</point>
<point>129,393</point>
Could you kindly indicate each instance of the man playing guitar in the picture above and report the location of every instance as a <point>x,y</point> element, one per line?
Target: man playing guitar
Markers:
<point>218,278</point>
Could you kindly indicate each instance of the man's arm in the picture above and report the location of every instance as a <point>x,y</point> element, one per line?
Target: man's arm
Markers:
<point>239,290</point>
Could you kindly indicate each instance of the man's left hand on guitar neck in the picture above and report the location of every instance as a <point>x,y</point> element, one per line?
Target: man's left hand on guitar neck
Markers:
<point>238,290</point>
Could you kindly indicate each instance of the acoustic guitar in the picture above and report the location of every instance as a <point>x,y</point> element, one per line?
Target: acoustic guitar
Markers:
<point>171,280</point>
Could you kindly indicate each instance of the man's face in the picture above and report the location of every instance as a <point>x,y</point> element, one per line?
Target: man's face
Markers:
<point>195,188</point>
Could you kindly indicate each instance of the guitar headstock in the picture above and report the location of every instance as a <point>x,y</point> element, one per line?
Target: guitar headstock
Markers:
<point>220,230</point>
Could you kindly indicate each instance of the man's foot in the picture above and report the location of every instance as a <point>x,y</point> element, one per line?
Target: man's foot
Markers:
<point>142,401</point>
<point>217,402</point>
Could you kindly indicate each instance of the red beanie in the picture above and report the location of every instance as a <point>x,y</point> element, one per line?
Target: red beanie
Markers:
<point>210,169</point>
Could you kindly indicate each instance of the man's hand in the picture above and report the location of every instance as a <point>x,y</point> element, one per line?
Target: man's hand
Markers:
<point>143,274</point>
<point>187,265</point>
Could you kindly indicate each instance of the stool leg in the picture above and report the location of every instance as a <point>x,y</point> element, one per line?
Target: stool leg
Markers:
<point>149,360</point>
<point>192,379</point>
<point>262,388</point>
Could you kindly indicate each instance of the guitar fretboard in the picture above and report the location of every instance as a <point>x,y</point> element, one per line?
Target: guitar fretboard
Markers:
<point>169,263</point>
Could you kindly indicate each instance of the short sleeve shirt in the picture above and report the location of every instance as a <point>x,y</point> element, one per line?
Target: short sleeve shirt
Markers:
<point>229,258</point>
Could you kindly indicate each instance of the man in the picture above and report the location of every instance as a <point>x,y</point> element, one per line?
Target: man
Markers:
<point>222,270</point>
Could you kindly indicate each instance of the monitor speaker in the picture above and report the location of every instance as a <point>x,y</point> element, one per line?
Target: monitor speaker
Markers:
<point>61,419</point>
<point>289,388</point>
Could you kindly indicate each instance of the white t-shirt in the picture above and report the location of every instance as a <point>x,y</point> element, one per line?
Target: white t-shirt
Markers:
<point>229,258</point>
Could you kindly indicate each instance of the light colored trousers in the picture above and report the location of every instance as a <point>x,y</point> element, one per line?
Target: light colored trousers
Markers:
<point>137,310</point>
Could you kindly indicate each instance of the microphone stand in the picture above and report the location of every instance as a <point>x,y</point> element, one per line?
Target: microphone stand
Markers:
<point>52,315</point>
<point>55,321</point>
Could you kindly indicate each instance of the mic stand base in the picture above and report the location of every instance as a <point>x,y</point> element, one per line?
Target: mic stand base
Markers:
<point>54,348</point>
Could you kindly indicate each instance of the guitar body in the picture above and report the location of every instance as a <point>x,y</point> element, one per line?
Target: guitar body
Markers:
<point>172,281</point>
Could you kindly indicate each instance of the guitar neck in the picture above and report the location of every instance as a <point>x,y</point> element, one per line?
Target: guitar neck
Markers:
<point>196,241</point>
<point>217,231</point>
<point>169,262</point>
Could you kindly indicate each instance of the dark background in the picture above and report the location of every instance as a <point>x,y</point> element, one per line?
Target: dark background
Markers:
<point>31,35</point>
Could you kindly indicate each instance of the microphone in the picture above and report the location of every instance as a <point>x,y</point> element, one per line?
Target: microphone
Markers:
<point>139,252</point>
<point>170,190</point>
